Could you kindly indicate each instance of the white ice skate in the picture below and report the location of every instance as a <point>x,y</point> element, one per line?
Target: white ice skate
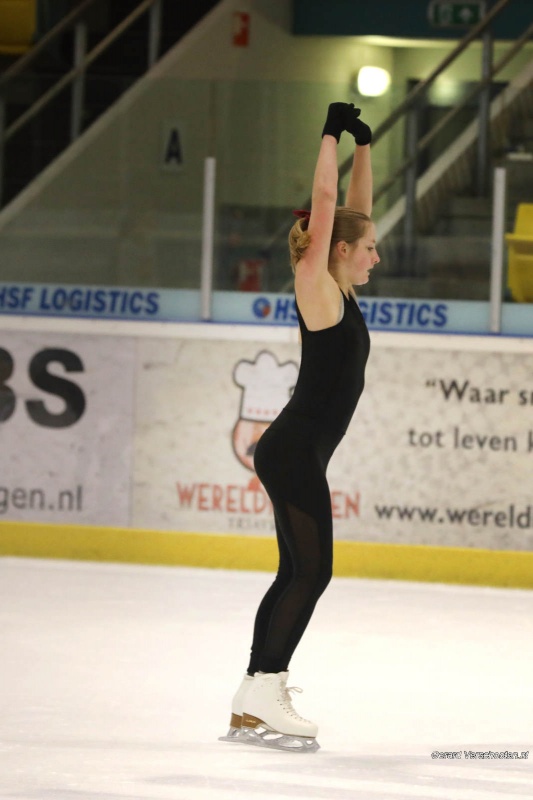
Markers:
<point>269,719</point>
<point>235,733</point>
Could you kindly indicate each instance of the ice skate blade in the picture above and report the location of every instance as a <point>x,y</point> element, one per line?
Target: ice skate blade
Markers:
<point>264,737</point>
<point>233,735</point>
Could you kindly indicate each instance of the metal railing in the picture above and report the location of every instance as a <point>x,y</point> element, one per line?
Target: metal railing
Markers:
<point>416,146</point>
<point>426,140</point>
<point>75,77</point>
<point>409,108</point>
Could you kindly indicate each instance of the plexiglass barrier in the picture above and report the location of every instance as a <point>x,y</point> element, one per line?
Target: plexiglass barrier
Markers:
<point>115,226</point>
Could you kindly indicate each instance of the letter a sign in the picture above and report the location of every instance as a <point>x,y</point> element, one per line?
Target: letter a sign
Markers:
<point>173,148</point>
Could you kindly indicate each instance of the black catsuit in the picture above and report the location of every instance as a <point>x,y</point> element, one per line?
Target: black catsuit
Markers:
<point>291,460</point>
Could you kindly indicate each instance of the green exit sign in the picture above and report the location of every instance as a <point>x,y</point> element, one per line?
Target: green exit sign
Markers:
<point>445,14</point>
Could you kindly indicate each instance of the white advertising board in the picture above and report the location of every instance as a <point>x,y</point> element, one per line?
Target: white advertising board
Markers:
<point>440,450</point>
<point>66,427</point>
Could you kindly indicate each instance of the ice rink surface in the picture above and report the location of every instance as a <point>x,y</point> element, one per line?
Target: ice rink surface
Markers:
<point>115,682</point>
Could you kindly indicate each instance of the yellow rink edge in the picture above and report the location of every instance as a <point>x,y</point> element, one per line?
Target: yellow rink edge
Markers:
<point>352,559</point>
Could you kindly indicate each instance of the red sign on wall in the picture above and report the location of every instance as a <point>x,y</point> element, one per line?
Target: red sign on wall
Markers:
<point>241,29</point>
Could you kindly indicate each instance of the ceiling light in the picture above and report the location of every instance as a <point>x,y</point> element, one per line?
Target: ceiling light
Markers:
<point>373,81</point>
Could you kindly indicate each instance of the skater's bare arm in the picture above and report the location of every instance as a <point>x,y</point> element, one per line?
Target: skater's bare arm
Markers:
<point>324,200</point>
<point>316,291</point>
<point>359,194</point>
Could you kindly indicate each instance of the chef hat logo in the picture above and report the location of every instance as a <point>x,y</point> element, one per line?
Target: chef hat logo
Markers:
<point>266,386</point>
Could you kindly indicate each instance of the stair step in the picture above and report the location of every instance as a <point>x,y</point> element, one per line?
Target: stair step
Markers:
<point>460,271</point>
<point>451,288</point>
<point>477,207</point>
<point>398,287</point>
<point>526,128</point>
<point>432,251</point>
<point>465,226</point>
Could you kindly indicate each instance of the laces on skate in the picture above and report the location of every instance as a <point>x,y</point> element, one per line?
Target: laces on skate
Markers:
<point>286,702</point>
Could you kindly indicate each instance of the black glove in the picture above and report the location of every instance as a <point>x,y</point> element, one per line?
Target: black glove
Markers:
<point>359,129</point>
<point>336,119</point>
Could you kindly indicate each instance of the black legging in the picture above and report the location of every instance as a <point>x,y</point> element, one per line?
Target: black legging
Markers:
<point>290,460</point>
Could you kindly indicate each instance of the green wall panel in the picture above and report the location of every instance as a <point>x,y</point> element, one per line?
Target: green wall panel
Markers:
<point>400,18</point>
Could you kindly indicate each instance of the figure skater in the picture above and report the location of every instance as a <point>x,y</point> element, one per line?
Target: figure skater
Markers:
<point>331,250</point>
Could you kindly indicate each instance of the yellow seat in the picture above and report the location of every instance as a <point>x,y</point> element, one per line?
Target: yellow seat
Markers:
<point>17,25</point>
<point>520,246</point>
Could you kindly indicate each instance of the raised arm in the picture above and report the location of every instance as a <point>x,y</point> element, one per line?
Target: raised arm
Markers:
<point>317,293</point>
<point>323,203</point>
<point>324,197</point>
<point>359,194</point>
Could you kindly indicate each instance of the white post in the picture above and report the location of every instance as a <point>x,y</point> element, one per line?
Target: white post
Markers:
<point>497,249</point>
<point>208,237</point>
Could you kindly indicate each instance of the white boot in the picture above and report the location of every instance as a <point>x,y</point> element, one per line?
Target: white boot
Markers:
<point>269,718</point>
<point>235,725</point>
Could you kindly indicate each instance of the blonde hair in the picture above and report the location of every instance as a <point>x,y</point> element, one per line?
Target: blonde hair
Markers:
<point>348,226</point>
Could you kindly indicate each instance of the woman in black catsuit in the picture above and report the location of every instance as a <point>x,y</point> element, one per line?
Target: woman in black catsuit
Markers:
<point>332,249</point>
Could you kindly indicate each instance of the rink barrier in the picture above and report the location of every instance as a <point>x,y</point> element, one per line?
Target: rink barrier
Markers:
<point>425,563</point>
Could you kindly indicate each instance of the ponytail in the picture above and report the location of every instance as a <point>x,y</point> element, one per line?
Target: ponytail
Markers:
<point>348,226</point>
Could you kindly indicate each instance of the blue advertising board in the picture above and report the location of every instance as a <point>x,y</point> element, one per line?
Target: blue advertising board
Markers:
<point>184,305</point>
